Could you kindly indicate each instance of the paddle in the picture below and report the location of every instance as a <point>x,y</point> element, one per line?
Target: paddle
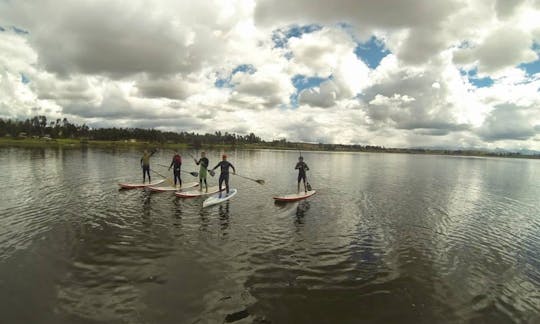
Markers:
<point>193,173</point>
<point>259,181</point>
<point>164,177</point>
<point>211,172</point>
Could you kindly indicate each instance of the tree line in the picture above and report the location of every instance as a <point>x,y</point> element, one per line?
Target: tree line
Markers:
<point>40,126</point>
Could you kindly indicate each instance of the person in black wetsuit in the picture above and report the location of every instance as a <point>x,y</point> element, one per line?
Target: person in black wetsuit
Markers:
<point>224,176</point>
<point>203,170</point>
<point>302,167</point>
<point>177,164</point>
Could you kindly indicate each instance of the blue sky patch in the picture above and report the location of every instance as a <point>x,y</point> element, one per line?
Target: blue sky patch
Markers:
<point>280,37</point>
<point>532,67</point>
<point>248,68</point>
<point>481,82</point>
<point>226,82</point>
<point>24,79</point>
<point>371,52</point>
<point>302,82</point>
<point>472,75</point>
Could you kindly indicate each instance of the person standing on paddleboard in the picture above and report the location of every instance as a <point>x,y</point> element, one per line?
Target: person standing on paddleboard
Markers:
<point>203,162</point>
<point>145,165</point>
<point>177,164</point>
<point>302,167</point>
<point>224,176</point>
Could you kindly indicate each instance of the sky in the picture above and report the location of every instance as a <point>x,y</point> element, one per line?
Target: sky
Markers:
<point>408,73</point>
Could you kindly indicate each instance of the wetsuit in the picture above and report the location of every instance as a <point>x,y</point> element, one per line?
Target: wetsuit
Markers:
<point>203,162</point>
<point>145,164</point>
<point>302,168</point>
<point>177,163</point>
<point>224,176</point>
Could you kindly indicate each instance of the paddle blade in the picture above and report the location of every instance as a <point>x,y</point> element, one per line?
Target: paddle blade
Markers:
<point>195,174</point>
<point>260,181</point>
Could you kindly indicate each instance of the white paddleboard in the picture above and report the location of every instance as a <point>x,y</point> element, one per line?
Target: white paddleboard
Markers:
<point>213,200</point>
<point>295,197</point>
<point>125,185</point>
<point>173,188</point>
<point>197,193</point>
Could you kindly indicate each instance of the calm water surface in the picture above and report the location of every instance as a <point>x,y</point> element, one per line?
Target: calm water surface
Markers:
<point>387,239</point>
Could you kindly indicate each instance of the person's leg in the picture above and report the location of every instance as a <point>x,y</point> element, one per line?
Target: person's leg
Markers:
<point>206,184</point>
<point>147,170</point>
<point>227,182</point>
<point>221,179</point>
<point>298,186</point>
<point>143,174</point>
<point>200,183</point>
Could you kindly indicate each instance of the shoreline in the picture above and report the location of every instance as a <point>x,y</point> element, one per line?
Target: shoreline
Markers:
<point>78,143</point>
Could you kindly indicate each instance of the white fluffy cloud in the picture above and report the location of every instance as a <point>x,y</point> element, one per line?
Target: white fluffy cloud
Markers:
<point>215,65</point>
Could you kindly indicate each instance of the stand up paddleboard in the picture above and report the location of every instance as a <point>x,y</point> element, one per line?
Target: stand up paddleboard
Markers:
<point>295,197</point>
<point>213,200</point>
<point>139,185</point>
<point>173,188</point>
<point>197,193</point>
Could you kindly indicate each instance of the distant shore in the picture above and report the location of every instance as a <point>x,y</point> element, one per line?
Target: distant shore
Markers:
<point>78,143</point>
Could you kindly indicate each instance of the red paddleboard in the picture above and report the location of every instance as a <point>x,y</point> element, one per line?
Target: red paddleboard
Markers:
<point>295,197</point>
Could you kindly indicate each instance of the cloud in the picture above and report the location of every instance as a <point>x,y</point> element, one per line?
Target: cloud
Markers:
<point>363,12</point>
<point>502,48</point>
<point>323,96</point>
<point>405,98</point>
<point>267,87</point>
<point>120,38</point>
<point>421,19</point>
<point>506,8</point>
<point>507,122</point>
<point>328,52</point>
<point>176,87</point>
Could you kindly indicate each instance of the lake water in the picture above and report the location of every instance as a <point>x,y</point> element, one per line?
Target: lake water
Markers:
<point>386,239</point>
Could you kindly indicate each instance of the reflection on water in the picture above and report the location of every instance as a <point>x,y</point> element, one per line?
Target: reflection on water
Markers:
<point>387,238</point>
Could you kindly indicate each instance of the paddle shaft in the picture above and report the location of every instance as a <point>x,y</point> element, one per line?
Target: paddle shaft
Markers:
<point>193,173</point>
<point>259,181</point>
<point>161,175</point>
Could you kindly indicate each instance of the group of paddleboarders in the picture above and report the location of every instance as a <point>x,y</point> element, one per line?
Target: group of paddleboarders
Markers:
<point>224,166</point>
